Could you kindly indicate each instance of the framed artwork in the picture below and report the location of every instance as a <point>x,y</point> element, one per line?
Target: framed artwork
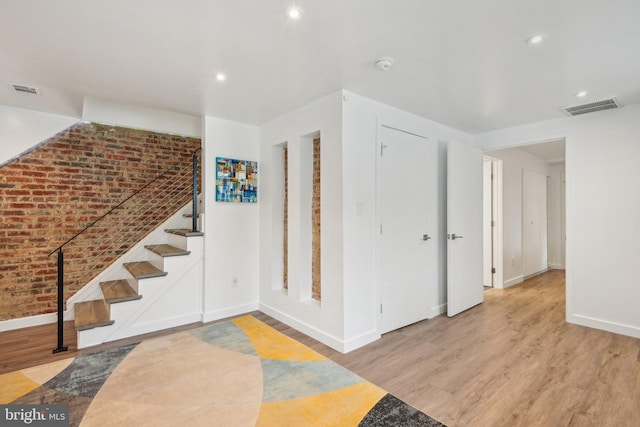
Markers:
<point>236,180</point>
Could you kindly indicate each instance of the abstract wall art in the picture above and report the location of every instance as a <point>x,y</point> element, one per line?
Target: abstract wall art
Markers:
<point>236,180</point>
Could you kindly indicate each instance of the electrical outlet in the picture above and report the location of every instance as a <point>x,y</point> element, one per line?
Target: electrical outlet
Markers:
<point>234,282</point>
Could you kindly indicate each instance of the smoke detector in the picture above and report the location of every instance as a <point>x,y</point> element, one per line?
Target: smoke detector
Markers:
<point>29,90</point>
<point>591,107</point>
<point>384,63</point>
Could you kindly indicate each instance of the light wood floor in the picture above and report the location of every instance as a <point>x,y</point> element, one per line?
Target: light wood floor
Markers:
<point>512,361</point>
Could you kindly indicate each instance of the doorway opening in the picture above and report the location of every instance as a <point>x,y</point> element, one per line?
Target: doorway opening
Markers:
<point>524,212</point>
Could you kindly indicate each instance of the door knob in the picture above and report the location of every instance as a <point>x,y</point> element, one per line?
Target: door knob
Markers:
<point>426,237</point>
<point>453,236</point>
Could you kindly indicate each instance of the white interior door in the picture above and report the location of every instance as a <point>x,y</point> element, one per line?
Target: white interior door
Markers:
<point>464,228</point>
<point>408,243</point>
<point>534,222</point>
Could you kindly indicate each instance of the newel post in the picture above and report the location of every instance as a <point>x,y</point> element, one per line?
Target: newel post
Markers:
<point>60,346</point>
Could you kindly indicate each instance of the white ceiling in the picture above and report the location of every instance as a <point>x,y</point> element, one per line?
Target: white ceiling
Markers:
<point>463,63</point>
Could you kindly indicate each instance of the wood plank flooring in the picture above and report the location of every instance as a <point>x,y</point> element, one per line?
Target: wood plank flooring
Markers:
<point>512,361</point>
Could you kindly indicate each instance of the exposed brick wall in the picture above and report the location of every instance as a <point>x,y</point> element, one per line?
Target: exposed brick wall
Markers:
<point>315,224</point>
<point>52,192</point>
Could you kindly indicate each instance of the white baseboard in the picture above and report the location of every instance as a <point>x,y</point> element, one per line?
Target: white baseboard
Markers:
<point>556,267</point>
<point>513,281</point>
<point>26,322</point>
<point>360,341</point>
<point>437,310</point>
<point>605,325</point>
<point>305,328</point>
<point>544,270</point>
<point>210,316</point>
<point>159,325</point>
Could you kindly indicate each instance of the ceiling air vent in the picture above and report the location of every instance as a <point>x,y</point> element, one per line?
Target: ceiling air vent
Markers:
<point>26,89</point>
<point>605,104</point>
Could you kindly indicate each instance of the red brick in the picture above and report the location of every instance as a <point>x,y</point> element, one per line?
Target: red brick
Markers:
<point>54,191</point>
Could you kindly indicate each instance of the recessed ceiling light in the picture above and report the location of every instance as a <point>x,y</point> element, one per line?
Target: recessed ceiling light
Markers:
<point>221,77</point>
<point>536,39</point>
<point>294,13</point>
<point>582,94</point>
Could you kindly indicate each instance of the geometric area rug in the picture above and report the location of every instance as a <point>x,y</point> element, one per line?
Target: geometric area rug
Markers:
<point>239,372</point>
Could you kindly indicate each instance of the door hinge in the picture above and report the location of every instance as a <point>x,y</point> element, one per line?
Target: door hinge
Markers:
<point>382,147</point>
<point>380,228</point>
<point>380,308</point>
<point>493,270</point>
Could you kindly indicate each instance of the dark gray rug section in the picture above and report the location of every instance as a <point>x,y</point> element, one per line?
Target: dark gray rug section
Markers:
<point>391,411</point>
<point>86,374</point>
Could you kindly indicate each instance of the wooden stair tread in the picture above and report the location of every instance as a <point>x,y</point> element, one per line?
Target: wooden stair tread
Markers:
<point>186,232</point>
<point>143,270</point>
<point>115,291</point>
<point>91,314</point>
<point>167,250</point>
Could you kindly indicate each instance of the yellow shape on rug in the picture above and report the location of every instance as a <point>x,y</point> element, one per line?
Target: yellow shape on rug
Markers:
<point>15,385</point>
<point>341,408</point>
<point>271,344</point>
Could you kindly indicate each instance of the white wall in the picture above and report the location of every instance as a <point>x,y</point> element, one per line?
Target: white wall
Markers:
<point>231,230</point>
<point>534,223</point>
<point>348,124</point>
<point>556,216</point>
<point>22,129</point>
<point>361,118</point>
<point>323,321</point>
<point>118,113</point>
<point>602,211</point>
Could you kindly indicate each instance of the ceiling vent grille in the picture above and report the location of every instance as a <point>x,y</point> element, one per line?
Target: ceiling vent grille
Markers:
<point>26,89</point>
<point>605,104</point>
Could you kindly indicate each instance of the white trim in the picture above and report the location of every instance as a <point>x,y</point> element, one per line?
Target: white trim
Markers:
<point>96,336</point>
<point>605,325</point>
<point>513,281</point>
<point>223,313</point>
<point>305,328</point>
<point>556,267</point>
<point>26,322</point>
<point>498,216</point>
<point>360,341</point>
<point>528,276</point>
<point>437,310</point>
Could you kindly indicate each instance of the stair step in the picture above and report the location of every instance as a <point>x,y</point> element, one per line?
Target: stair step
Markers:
<point>92,314</point>
<point>186,232</point>
<point>167,250</point>
<point>115,291</point>
<point>143,270</point>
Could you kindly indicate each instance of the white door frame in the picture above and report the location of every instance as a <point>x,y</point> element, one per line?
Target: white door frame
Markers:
<point>496,188</point>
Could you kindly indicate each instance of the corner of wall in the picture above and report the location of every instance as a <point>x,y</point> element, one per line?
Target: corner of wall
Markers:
<point>21,130</point>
